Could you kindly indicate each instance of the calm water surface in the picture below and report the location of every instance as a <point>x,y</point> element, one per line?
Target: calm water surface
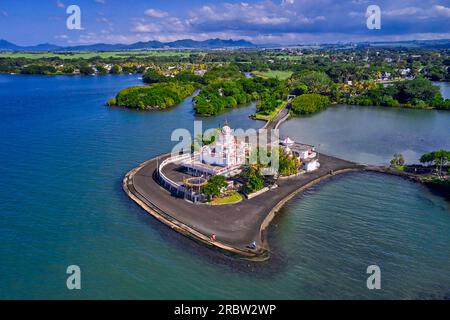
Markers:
<point>63,155</point>
<point>445,88</point>
<point>373,134</point>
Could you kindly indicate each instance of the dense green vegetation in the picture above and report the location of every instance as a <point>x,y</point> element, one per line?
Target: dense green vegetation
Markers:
<point>155,96</point>
<point>214,186</point>
<point>268,108</point>
<point>309,103</point>
<point>397,160</point>
<point>418,93</point>
<point>153,76</point>
<point>254,181</point>
<point>38,69</point>
<point>223,73</point>
<point>345,74</point>
<point>415,93</point>
<point>439,159</point>
<point>312,81</point>
<point>217,96</point>
<point>288,165</point>
<point>355,63</point>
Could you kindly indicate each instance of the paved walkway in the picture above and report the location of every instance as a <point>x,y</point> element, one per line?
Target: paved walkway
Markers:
<point>279,118</point>
<point>236,226</point>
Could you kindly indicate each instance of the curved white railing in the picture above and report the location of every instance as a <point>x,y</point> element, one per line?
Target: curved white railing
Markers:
<point>170,160</point>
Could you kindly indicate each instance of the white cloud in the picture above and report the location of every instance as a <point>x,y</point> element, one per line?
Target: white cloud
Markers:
<point>407,11</point>
<point>441,10</point>
<point>146,27</point>
<point>175,24</point>
<point>419,13</point>
<point>235,15</point>
<point>155,13</point>
<point>101,1</point>
<point>269,20</point>
<point>275,21</point>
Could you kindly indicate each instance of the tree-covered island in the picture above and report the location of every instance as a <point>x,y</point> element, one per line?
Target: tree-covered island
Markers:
<point>359,75</point>
<point>157,96</point>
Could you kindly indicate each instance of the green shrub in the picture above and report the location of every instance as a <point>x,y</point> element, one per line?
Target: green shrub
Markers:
<point>254,181</point>
<point>155,96</point>
<point>309,103</point>
<point>111,102</point>
<point>216,97</point>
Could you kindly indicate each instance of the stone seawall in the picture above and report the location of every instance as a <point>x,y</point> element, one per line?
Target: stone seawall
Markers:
<point>180,227</point>
<point>200,222</point>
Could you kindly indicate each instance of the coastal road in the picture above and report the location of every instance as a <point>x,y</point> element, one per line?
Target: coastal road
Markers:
<point>281,116</point>
<point>235,225</point>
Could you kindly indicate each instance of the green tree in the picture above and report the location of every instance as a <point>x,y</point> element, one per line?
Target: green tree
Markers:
<point>398,160</point>
<point>288,165</point>
<point>214,186</point>
<point>68,69</point>
<point>419,88</point>
<point>101,69</point>
<point>299,89</point>
<point>115,69</point>
<point>315,81</point>
<point>86,70</point>
<point>111,102</point>
<point>438,158</point>
<point>219,95</point>
<point>155,96</point>
<point>223,73</point>
<point>254,181</point>
<point>152,76</point>
<point>309,103</point>
<point>38,69</point>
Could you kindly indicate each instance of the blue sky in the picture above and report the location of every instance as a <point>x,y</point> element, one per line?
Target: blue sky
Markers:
<point>28,22</point>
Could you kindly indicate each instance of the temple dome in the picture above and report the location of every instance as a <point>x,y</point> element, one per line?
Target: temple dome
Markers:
<point>226,129</point>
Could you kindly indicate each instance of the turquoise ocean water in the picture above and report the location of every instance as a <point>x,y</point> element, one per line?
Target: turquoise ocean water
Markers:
<point>63,155</point>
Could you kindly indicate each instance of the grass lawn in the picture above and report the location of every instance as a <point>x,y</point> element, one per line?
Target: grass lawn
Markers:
<point>273,114</point>
<point>88,55</point>
<point>232,198</point>
<point>281,75</point>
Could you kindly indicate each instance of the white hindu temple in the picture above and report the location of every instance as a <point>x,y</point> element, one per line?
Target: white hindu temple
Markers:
<point>226,151</point>
<point>225,156</point>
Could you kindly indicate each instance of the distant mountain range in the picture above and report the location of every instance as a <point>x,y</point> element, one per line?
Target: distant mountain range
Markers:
<point>214,44</point>
<point>179,44</point>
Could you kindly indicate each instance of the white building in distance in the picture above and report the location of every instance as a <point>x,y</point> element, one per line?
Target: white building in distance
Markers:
<point>305,153</point>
